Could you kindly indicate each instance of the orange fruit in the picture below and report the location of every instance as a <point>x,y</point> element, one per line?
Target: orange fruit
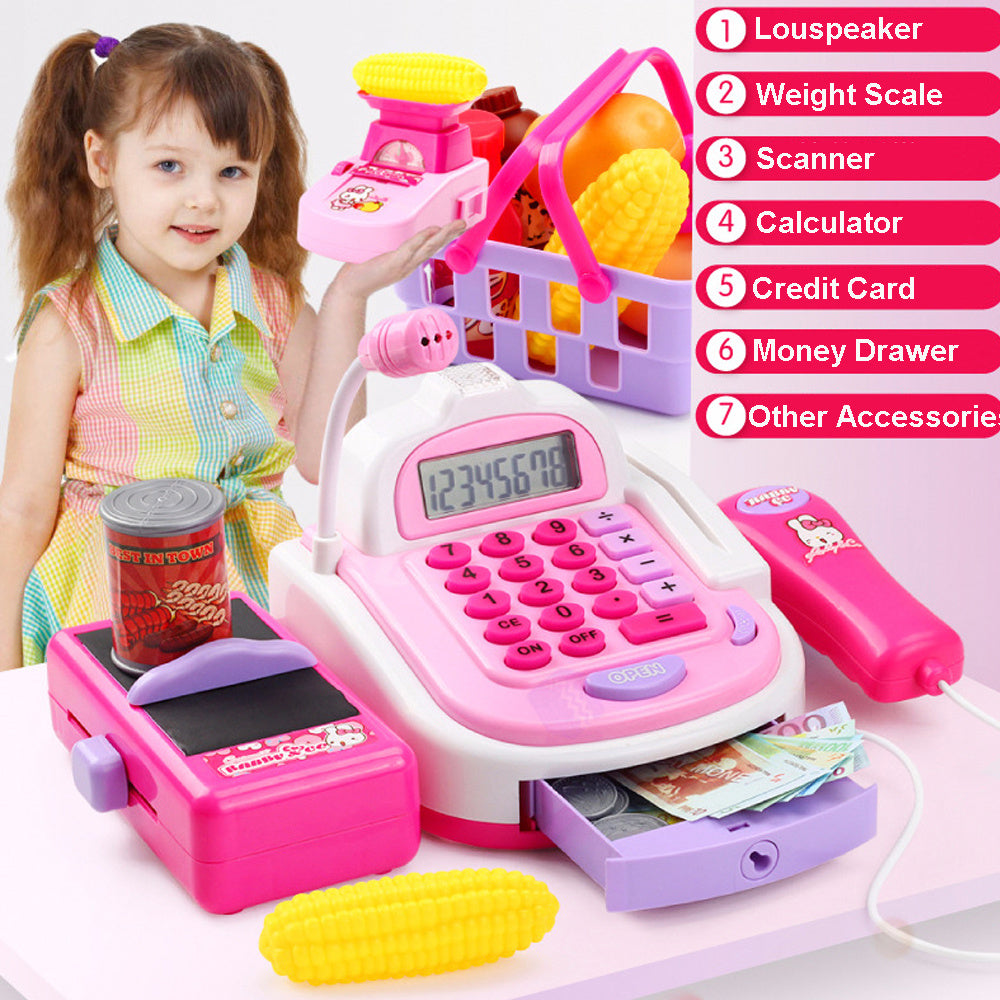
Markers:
<point>623,123</point>
<point>674,265</point>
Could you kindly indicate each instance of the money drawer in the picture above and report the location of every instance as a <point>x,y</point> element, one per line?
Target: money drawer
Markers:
<point>642,862</point>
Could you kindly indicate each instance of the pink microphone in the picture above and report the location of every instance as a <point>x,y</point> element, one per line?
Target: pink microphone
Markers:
<point>411,343</point>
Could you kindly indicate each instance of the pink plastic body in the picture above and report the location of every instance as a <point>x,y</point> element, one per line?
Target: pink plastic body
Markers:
<point>432,130</point>
<point>841,600</point>
<point>546,145</point>
<point>470,678</point>
<point>239,826</point>
<point>416,170</point>
<point>418,341</point>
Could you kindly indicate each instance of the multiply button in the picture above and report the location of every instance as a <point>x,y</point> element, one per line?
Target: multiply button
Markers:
<point>637,680</point>
<point>508,630</point>
<point>654,625</point>
<point>584,642</point>
<point>623,544</point>
<point>554,532</point>
<point>448,555</point>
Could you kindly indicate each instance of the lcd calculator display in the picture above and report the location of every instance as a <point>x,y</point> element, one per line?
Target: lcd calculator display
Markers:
<point>489,477</point>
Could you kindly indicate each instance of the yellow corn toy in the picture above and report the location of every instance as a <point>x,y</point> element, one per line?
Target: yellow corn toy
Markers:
<point>426,77</point>
<point>406,925</point>
<point>630,215</point>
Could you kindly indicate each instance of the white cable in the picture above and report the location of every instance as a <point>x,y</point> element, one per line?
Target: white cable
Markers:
<point>918,944</point>
<point>326,545</point>
<point>967,705</point>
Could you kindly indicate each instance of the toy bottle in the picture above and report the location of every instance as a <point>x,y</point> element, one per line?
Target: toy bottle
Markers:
<point>506,105</point>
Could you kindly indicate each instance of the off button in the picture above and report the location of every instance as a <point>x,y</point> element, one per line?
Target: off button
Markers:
<point>639,680</point>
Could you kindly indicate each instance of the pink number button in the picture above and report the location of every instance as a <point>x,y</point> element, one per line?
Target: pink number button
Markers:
<point>616,604</point>
<point>561,617</point>
<point>502,543</point>
<point>584,642</point>
<point>488,604</point>
<point>669,590</point>
<point>575,555</point>
<point>508,630</point>
<point>528,655</point>
<point>595,580</point>
<point>625,543</point>
<point>554,532</point>
<point>605,519</point>
<point>542,592</point>
<point>518,569</point>
<point>647,566</point>
<point>449,555</point>
<point>468,579</point>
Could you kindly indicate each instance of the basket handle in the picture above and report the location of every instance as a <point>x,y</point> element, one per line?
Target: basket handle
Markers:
<point>546,145</point>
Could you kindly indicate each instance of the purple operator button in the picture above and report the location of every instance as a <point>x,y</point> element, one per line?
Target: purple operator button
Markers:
<point>642,679</point>
<point>744,627</point>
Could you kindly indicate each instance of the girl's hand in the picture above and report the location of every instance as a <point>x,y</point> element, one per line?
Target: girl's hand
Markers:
<point>361,280</point>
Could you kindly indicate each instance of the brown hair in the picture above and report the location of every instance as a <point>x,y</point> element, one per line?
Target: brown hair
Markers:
<point>243,99</point>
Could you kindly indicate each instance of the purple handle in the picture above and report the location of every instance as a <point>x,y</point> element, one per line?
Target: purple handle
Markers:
<point>218,664</point>
<point>99,773</point>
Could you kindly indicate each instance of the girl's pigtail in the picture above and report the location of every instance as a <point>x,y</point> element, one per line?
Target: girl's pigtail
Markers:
<point>52,201</point>
<point>270,239</point>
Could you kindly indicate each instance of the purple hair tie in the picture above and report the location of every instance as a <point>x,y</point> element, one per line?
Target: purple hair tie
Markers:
<point>104,45</point>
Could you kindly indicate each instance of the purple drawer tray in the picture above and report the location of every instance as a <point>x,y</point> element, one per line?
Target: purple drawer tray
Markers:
<point>711,857</point>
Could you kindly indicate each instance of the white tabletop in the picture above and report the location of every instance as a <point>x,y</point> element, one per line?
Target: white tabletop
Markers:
<point>90,914</point>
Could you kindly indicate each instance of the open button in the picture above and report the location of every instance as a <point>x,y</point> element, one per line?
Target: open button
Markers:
<point>644,679</point>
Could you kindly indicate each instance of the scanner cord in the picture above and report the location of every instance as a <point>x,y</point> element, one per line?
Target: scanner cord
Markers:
<point>918,944</point>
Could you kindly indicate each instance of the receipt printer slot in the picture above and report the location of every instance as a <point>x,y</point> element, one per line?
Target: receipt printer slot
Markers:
<point>700,859</point>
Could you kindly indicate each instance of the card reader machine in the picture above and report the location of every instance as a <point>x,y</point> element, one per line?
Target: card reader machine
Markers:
<point>522,601</point>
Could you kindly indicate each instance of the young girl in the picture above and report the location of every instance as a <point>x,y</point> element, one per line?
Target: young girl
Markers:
<point>176,341</point>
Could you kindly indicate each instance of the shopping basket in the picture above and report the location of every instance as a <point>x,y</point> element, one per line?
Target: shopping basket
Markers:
<point>604,360</point>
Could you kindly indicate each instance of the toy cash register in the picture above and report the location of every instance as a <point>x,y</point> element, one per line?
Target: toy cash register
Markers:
<point>522,601</point>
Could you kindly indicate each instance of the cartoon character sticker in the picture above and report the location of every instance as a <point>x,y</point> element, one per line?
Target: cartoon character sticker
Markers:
<point>360,196</point>
<point>249,758</point>
<point>820,536</point>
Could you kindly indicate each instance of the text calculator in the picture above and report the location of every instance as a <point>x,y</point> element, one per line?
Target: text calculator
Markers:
<point>493,531</point>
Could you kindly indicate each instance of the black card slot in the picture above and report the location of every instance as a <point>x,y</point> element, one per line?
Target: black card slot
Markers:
<point>240,713</point>
<point>254,710</point>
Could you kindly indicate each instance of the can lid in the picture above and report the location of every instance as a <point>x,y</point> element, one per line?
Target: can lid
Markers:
<point>157,507</point>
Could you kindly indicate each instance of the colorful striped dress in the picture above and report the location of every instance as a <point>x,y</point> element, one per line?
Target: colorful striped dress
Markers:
<point>162,396</point>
